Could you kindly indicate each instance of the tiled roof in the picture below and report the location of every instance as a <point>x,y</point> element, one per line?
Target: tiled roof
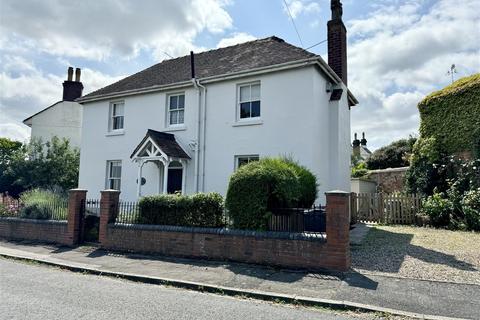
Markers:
<point>166,142</point>
<point>241,57</point>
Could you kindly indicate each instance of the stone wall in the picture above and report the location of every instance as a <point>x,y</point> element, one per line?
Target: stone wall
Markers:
<point>389,180</point>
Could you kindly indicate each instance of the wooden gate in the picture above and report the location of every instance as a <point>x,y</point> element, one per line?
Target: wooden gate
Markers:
<point>385,208</point>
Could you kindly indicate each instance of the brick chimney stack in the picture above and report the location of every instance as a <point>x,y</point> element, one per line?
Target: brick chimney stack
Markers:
<point>72,89</point>
<point>337,41</point>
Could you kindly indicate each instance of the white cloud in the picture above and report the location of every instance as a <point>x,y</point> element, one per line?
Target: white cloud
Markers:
<point>28,90</point>
<point>98,29</point>
<point>299,7</point>
<point>400,53</point>
<point>235,38</point>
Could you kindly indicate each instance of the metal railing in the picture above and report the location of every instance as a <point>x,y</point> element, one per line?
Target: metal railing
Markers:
<point>312,220</point>
<point>128,212</point>
<point>40,210</point>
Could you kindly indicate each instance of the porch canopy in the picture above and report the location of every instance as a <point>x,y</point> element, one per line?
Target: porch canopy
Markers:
<point>159,147</point>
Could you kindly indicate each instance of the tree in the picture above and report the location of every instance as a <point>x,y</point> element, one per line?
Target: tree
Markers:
<point>53,164</point>
<point>394,155</point>
<point>9,151</point>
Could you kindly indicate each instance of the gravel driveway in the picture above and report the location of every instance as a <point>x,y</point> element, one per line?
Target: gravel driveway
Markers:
<point>419,253</point>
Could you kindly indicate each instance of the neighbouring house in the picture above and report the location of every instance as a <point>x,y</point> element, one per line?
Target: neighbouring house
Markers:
<point>63,118</point>
<point>186,124</point>
<point>359,148</point>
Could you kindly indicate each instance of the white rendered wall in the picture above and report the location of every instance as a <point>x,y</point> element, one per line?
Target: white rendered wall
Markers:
<point>295,121</point>
<point>63,120</point>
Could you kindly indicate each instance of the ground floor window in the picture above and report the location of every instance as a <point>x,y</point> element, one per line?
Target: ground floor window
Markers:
<point>242,160</point>
<point>114,174</point>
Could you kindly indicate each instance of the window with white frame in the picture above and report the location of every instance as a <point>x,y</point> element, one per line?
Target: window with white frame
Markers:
<point>117,111</point>
<point>243,160</point>
<point>176,109</point>
<point>249,101</point>
<point>114,174</point>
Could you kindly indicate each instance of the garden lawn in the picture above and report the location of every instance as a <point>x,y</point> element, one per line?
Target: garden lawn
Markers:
<point>419,253</point>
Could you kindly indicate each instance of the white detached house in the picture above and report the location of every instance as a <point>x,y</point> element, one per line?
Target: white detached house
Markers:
<point>186,124</point>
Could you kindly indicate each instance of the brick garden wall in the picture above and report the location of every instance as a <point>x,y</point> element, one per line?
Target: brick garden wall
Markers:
<point>39,230</point>
<point>251,247</point>
<point>270,248</point>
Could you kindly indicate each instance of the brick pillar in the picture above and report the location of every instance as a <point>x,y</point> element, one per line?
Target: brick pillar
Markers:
<point>76,205</point>
<point>338,227</point>
<point>108,212</point>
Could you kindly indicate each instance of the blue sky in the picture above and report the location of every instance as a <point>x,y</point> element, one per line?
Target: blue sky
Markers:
<point>399,51</point>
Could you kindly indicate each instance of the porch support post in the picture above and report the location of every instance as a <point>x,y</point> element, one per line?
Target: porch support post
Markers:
<point>165,176</point>
<point>184,175</point>
<point>139,178</point>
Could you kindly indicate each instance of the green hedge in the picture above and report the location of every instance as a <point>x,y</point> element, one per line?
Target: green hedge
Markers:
<point>199,210</point>
<point>260,186</point>
<point>451,115</point>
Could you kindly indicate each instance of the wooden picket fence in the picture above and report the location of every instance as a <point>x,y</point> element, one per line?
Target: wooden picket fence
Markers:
<point>384,208</point>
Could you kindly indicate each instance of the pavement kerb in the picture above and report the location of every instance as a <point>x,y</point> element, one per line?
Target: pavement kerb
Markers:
<point>203,287</point>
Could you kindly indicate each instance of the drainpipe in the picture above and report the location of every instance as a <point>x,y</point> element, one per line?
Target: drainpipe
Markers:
<point>204,139</point>
<point>197,144</point>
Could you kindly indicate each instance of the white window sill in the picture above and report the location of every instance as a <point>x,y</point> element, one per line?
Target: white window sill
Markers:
<point>242,123</point>
<point>176,128</point>
<point>115,133</point>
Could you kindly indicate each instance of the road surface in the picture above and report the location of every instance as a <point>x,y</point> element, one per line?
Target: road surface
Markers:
<point>31,291</point>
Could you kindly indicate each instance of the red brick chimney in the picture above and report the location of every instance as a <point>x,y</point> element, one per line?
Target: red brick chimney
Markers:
<point>337,41</point>
<point>72,89</point>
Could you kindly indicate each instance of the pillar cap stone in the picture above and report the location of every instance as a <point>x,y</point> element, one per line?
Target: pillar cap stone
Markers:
<point>340,193</point>
<point>110,191</point>
<point>77,190</point>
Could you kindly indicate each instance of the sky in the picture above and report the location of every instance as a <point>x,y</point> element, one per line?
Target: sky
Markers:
<point>398,51</point>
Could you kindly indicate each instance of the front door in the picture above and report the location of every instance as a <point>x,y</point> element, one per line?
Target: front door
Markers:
<point>174,180</point>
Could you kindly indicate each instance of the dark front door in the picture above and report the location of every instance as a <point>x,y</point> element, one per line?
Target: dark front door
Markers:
<point>174,180</point>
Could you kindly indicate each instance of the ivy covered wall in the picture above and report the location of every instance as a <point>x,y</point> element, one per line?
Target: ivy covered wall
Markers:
<point>452,115</point>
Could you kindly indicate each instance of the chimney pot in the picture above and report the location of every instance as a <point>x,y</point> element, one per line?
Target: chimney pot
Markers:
<point>364,141</point>
<point>77,74</point>
<point>70,74</point>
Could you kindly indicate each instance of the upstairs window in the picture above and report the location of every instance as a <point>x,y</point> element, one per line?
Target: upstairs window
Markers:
<point>176,109</point>
<point>117,111</point>
<point>249,101</point>
<point>243,160</point>
<point>114,174</point>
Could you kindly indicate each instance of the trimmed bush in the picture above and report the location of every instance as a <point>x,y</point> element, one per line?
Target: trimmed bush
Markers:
<point>259,187</point>
<point>451,115</point>
<point>199,210</point>
<point>308,184</point>
<point>43,204</point>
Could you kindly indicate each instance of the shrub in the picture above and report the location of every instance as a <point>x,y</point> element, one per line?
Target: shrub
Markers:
<point>423,176</point>
<point>308,184</point>
<point>394,155</point>
<point>438,209</point>
<point>471,209</point>
<point>359,170</point>
<point>42,204</point>
<point>258,187</point>
<point>199,210</point>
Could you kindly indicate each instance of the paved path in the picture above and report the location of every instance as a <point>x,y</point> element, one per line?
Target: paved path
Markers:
<point>38,292</point>
<point>416,296</point>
